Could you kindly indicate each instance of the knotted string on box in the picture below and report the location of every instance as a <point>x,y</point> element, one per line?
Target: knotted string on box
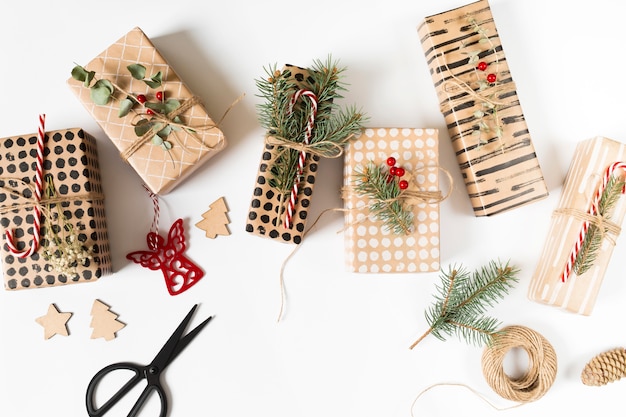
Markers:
<point>530,387</point>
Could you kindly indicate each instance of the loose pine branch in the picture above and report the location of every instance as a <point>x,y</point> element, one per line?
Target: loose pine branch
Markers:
<point>333,126</point>
<point>592,242</point>
<point>463,298</point>
<point>373,182</point>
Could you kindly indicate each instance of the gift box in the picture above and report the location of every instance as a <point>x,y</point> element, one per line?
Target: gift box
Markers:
<point>306,127</point>
<point>479,101</point>
<point>165,132</point>
<point>581,221</point>
<point>371,244</point>
<point>72,204</point>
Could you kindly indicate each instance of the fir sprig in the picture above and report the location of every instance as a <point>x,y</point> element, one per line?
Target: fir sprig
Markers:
<point>592,242</point>
<point>372,181</point>
<point>333,126</point>
<point>463,298</point>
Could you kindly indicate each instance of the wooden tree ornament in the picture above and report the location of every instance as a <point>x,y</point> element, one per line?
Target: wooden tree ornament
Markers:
<point>104,322</point>
<point>54,322</point>
<point>215,220</point>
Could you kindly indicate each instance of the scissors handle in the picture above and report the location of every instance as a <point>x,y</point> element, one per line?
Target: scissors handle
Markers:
<point>140,372</point>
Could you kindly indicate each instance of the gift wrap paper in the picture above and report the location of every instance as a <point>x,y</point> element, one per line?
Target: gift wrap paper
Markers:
<point>161,170</point>
<point>503,173</point>
<point>71,159</point>
<point>578,293</point>
<point>370,247</point>
<point>267,209</point>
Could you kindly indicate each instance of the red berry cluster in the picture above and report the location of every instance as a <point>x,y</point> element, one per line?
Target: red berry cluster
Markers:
<point>141,98</point>
<point>482,66</point>
<point>395,171</point>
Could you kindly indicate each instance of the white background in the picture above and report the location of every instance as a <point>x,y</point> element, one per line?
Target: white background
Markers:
<point>341,349</point>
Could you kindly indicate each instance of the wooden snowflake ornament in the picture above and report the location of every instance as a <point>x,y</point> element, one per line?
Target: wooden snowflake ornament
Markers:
<point>54,322</point>
<point>215,220</point>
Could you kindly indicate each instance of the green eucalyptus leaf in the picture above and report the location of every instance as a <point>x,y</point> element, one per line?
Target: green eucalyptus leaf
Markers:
<point>166,145</point>
<point>138,71</point>
<point>79,73</point>
<point>165,131</point>
<point>171,105</point>
<point>101,92</point>
<point>156,140</point>
<point>143,126</point>
<point>125,107</point>
<point>157,106</point>
<point>89,78</point>
<point>155,81</point>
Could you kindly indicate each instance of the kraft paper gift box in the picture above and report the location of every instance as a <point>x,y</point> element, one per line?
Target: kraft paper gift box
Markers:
<point>268,205</point>
<point>370,246</point>
<point>194,137</point>
<point>554,281</point>
<point>479,102</point>
<point>71,166</point>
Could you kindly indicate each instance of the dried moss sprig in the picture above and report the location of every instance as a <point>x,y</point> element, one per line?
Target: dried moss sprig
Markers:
<point>61,245</point>
<point>592,242</point>
<point>373,181</point>
<point>463,298</point>
<point>334,126</point>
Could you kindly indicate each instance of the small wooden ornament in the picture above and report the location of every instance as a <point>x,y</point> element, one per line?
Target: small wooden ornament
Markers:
<point>54,322</point>
<point>215,219</point>
<point>104,322</point>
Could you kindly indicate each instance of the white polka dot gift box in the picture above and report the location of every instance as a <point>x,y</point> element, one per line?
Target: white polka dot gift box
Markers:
<point>386,232</point>
<point>52,214</point>
<point>478,99</point>
<point>584,228</point>
<point>158,125</point>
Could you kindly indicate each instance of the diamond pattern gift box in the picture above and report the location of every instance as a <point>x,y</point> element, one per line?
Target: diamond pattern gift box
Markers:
<point>187,137</point>
<point>554,281</point>
<point>479,102</point>
<point>71,166</point>
<point>370,246</point>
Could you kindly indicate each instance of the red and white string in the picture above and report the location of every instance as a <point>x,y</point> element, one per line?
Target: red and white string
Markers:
<point>41,132</point>
<point>155,203</point>
<point>593,211</point>
<point>302,156</point>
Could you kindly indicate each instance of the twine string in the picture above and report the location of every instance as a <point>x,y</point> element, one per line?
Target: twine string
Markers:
<point>154,227</point>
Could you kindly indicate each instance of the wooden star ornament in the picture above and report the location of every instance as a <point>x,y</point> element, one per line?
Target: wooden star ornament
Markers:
<point>54,322</point>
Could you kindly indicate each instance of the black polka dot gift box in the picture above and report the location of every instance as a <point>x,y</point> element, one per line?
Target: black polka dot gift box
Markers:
<point>158,125</point>
<point>479,101</point>
<point>52,214</point>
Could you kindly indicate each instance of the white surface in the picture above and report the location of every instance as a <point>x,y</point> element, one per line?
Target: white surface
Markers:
<point>342,347</point>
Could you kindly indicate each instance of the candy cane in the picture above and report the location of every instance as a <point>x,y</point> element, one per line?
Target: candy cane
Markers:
<point>593,211</point>
<point>38,192</point>
<point>302,156</point>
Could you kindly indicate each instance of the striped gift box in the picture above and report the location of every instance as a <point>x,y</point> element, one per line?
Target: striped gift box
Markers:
<point>483,115</point>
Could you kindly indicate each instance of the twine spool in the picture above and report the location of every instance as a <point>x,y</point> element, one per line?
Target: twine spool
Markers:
<point>542,364</point>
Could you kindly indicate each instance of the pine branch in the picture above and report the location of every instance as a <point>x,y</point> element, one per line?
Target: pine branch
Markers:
<point>386,204</point>
<point>592,242</point>
<point>463,298</point>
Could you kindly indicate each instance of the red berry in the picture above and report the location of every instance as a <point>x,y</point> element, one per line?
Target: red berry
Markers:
<point>482,65</point>
<point>491,78</point>
<point>141,98</point>
<point>400,172</point>
<point>150,112</point>
<point>159,95</point>
<point>404,184</point>
<point>393,171</point>
<point>389,178</point>
<point>391,161</point>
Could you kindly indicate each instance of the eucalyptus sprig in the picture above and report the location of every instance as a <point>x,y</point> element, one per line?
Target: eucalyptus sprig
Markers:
<point>61,244</point>
<point>102,91</point>
<point>463,298</point>
<point>376,183</point>
<point>592,242</point>
<point>334,126</point>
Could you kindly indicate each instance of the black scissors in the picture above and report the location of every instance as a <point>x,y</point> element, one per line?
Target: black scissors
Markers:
<point>151,372</point>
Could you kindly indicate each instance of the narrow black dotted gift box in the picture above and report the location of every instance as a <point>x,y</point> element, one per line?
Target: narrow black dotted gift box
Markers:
<point>71,166</point>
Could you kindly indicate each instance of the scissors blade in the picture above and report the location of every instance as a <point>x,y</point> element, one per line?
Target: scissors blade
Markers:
<point>165,355</point>
<point>188,338</point>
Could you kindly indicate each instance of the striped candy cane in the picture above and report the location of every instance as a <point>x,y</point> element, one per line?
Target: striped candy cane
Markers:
<point>302,156</point>
<point>593,211</point>
<point>41,132</point>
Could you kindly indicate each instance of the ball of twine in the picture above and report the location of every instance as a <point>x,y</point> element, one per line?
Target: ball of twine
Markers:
<point>542,364</point>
